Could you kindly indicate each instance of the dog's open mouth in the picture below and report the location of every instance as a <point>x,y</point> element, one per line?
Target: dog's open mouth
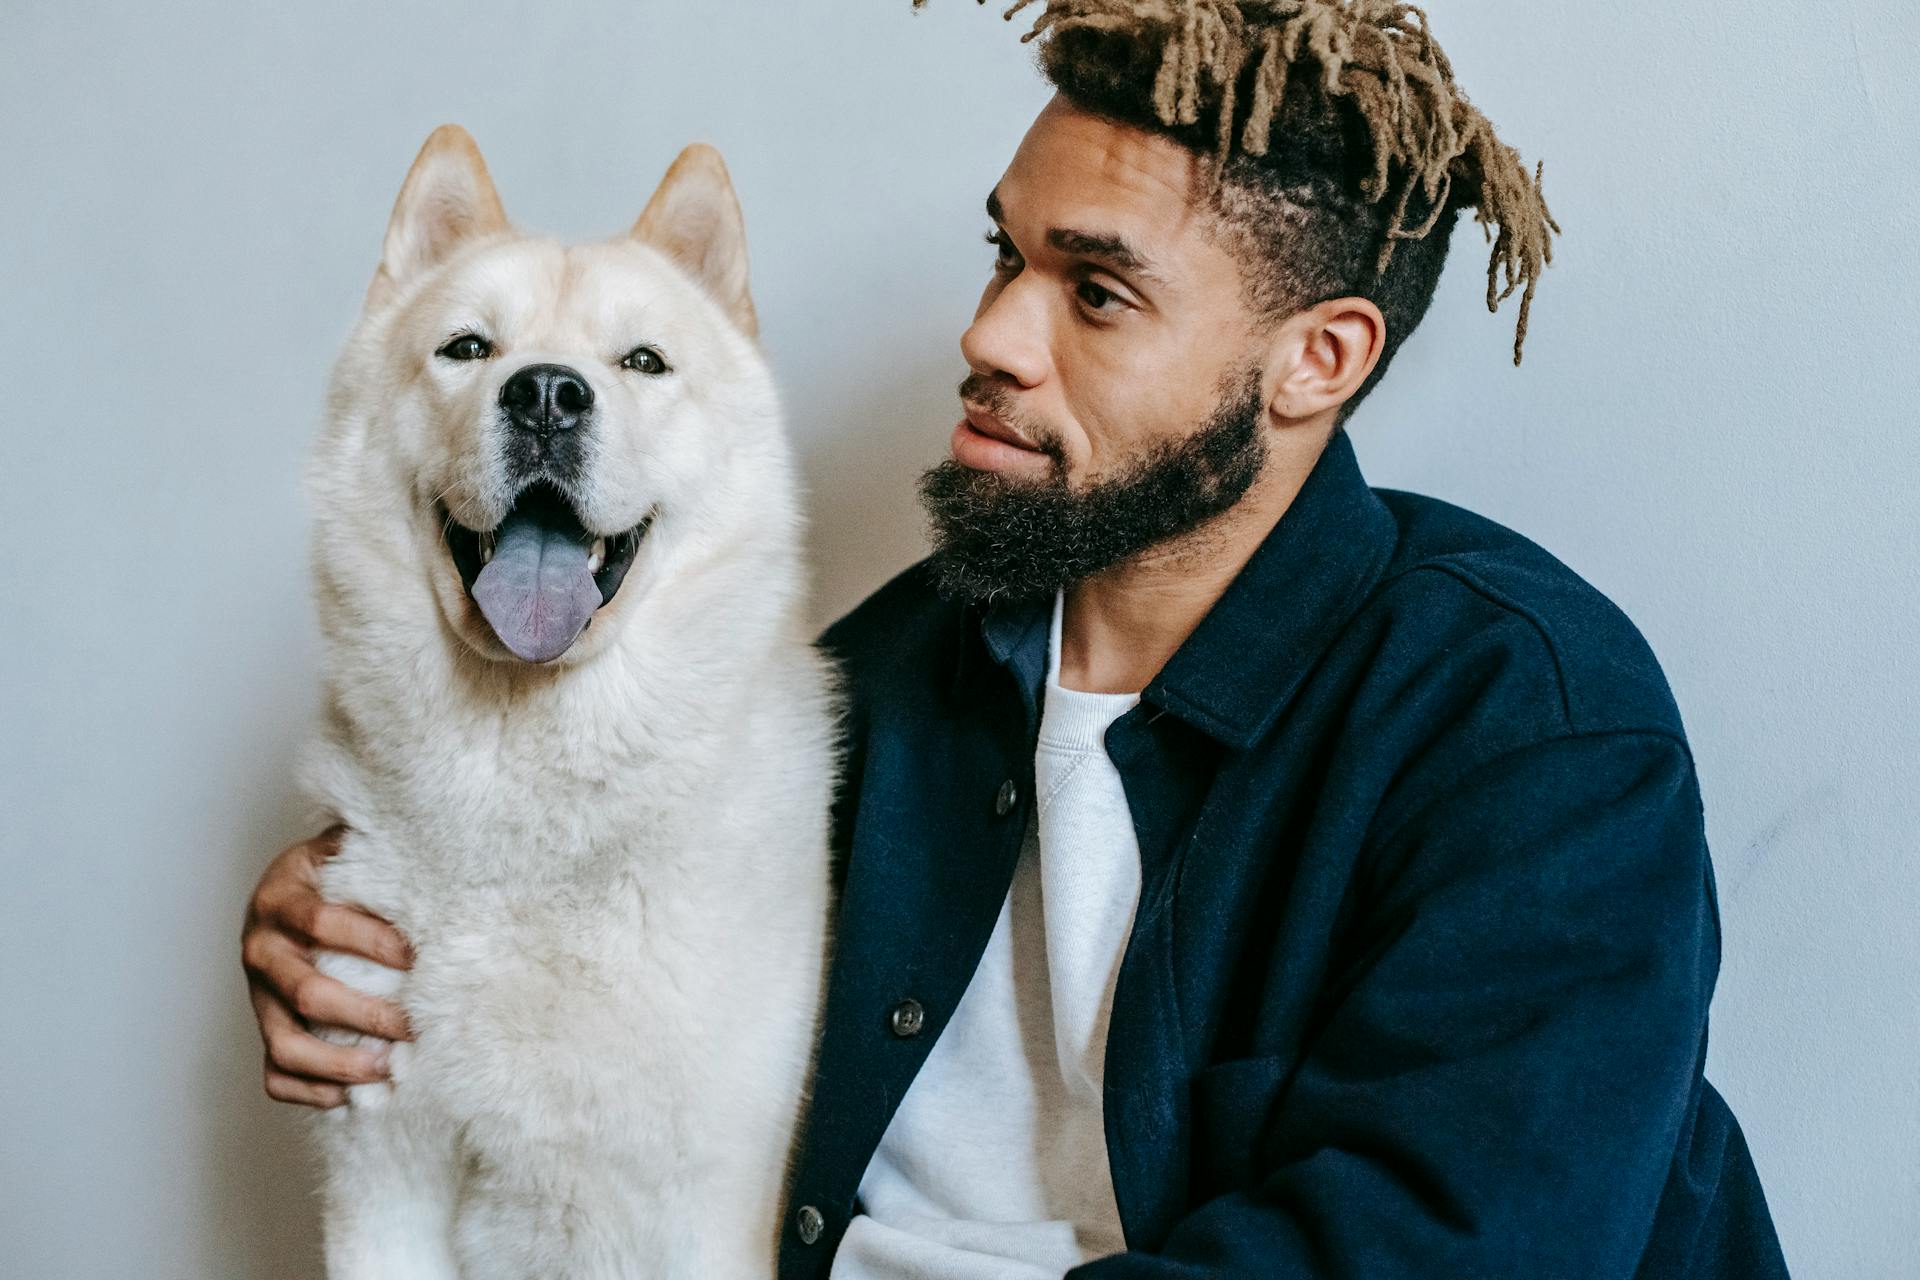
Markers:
<point>539,575</point>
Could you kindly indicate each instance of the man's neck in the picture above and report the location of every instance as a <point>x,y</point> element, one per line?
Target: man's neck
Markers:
<point>1120,626</point>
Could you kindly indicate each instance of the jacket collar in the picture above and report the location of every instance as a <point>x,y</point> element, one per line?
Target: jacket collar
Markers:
<point>1233,675</point>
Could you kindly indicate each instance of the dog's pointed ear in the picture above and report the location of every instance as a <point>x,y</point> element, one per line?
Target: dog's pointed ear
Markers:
<point>448,198</point>
<point>694,218</point>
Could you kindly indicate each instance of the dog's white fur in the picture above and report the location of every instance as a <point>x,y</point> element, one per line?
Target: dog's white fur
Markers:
<point>613,866</point>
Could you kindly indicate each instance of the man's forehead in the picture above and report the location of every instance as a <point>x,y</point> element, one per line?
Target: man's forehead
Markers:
<point>1077,169</point>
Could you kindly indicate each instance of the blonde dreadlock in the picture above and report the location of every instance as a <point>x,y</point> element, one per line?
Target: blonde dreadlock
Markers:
<point>1379,53</point>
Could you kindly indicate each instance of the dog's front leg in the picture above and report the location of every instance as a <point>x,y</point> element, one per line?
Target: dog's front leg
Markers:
<point>390,1189</point>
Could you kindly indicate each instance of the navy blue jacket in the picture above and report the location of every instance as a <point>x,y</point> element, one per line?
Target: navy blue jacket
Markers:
<point>1418,982</point>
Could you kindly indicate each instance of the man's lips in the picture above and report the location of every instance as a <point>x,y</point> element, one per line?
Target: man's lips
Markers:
<point>985,443</point>
<point>991,427</point>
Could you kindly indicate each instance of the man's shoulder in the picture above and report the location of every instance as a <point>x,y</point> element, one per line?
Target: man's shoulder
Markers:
<point>1461,594</point>
<point>1486,591</point>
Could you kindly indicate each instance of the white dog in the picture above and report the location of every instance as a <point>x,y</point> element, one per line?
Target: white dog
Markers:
<point>580,738</point>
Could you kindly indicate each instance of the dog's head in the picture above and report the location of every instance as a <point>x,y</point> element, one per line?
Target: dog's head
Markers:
<point>525,422</point>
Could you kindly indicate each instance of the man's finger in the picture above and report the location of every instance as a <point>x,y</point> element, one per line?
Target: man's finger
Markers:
<point>282,1087</point>
<point>294,1050</point>
<point>343,928</point>
<point>288,900</point>
<point>322,1000</point>
<point>289,890</point>
<point>316,998</point>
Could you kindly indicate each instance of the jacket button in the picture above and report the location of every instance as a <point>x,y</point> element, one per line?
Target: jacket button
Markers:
<point>810,1223</point>
<point>1005,798</point>
<point>907,1018</point>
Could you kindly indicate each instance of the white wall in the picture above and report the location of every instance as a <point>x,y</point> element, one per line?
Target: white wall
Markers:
<point>1715,424</point>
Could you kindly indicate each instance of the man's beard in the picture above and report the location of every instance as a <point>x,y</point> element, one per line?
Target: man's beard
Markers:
<point>1020,539</point>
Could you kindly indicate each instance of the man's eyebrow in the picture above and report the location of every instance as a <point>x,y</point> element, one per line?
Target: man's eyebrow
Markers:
<point>1107,249</point>
<point>1111,250</point>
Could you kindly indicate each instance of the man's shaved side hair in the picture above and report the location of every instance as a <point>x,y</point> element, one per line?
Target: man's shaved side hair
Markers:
<point>1341,151</point>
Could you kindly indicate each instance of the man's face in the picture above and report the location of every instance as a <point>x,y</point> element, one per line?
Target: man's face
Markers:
<point>1115,396</point>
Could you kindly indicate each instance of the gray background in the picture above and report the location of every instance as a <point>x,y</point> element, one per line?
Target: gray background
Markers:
<point>1715,426</point>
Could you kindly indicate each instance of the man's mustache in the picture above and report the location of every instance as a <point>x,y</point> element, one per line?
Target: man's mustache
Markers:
<point>997,398</point>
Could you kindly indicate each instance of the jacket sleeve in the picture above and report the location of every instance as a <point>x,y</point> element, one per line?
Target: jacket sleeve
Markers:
<point>1508,1048</point>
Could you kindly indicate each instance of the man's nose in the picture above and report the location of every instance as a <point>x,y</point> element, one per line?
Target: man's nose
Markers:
<point>546,399</point>
<point>1009,337</point>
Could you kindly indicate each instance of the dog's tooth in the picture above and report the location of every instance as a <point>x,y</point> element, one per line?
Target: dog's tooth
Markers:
<point>486,548</point>
<point>597,555</point>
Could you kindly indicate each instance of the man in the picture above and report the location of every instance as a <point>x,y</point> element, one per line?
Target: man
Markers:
<point>1243,871</point>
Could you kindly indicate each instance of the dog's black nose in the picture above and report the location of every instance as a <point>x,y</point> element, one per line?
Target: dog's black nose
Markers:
<point>546,398</point>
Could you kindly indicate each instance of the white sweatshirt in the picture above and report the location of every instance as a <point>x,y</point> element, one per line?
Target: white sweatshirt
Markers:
<point>995,1165</point>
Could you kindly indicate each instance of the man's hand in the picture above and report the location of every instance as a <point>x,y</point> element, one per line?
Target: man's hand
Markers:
<point>286,920</point>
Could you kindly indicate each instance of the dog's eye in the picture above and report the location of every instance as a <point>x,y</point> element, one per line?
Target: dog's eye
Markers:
<point>468,346</point>
<point>645,360</point>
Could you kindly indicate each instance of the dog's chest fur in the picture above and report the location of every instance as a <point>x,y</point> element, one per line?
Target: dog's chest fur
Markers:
<point>618,956</point>
<point>602,937</point>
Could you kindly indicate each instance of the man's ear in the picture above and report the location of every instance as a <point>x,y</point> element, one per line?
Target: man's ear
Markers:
<point>1321,356</point>
<point>447,199</point>
<point>694,218</point>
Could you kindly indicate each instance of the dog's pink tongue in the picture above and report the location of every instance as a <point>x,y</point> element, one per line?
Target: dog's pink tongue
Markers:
<point>536,593</point>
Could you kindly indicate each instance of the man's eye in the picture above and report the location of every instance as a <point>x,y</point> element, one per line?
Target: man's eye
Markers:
<point>1006,259</point>
<point>468,346</point>
<point>1096,296</point>
<point>645,360</point>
